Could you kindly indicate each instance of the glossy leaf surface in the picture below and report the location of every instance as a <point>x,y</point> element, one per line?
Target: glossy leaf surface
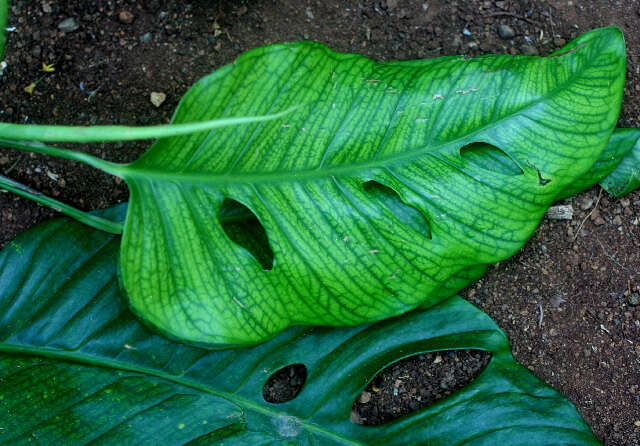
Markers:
<point>617,169</point>
<point>626,176</point>
<point>77,368</point>
<point>341,255</point>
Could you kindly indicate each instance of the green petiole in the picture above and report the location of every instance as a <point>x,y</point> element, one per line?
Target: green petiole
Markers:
<point>37,147</point>
<point>26,137</point>
<point>102,224</point>
<point>104,133</point>
<point>4,20</point>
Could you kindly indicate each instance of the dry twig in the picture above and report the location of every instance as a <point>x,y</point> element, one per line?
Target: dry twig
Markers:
<point>588,215</point>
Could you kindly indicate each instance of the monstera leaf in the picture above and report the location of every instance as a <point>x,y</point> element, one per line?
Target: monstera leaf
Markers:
<point>391,186</point>
<point>77,368</point>
<point>345,253</point>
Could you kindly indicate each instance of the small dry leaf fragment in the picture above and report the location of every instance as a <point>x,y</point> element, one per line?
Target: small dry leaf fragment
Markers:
<point>216,29</point>
<point>157,98</point>
<point>29,88</point>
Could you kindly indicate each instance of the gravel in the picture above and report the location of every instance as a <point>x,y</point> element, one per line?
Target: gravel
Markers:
<point>506,32</point>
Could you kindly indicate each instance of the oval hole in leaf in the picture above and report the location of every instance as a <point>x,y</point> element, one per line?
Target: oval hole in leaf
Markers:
<point>243,228</point>
<point>285,384</point>
<point>416,382</point>
<point>488,157</point>
<point>408,215</point>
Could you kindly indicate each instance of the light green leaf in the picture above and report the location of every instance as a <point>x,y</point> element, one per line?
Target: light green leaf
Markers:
<point>77,368</point>
<point>618,168</point>
<point>343,255</point>
<point>626,177</point>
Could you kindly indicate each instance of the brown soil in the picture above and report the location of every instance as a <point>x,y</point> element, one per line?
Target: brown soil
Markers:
<point>564,299</point>
<point>416,382</point>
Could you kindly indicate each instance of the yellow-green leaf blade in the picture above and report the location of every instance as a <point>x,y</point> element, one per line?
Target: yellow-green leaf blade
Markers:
<point>340,255</point>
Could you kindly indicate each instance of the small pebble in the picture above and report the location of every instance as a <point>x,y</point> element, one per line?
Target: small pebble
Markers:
<point>559,42</point>
<point>587,202</point>
<point>157,98</point>
<point>146,38</point>
<point>506,32</point>
<point>68,25</point>
<point>617,221</point>
<point>560,212</point>
<point>634,299</point>
<point>309,13</point>
<point>529,50</point>
<point>364,397</point>
<point>126,17</point>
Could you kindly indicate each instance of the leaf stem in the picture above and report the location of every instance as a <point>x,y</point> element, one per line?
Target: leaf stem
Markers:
<point>101,133</point>
<point>99,223</point>
<point>4,20</point>
<point>27,137</point>
<point>29,146</point>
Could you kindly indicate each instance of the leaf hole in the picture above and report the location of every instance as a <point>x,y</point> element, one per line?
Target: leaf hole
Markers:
<point>491,158</point>
<point>285,384</point>
<point>408,215</point>
<point>244,229</point>
<point>416,382</point>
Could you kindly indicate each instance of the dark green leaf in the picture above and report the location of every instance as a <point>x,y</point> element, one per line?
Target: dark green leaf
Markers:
<point>77,368</point>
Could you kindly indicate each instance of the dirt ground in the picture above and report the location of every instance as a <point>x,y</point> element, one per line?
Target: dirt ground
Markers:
<point>568,300</point>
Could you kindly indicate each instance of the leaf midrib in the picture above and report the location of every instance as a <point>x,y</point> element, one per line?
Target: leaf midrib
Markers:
<point>93,361</point>
<point>131,172</point>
